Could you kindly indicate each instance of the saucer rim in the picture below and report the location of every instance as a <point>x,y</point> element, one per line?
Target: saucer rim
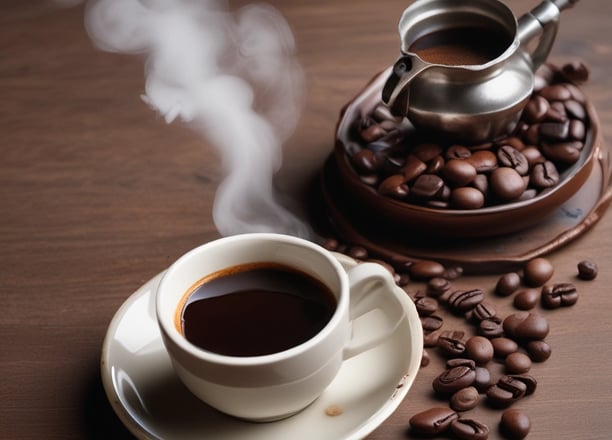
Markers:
<point>377,417</point>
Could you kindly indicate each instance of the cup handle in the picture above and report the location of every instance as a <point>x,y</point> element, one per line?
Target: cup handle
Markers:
<point>543,21</point>
<point>395,93</point>
<point>372,288</point>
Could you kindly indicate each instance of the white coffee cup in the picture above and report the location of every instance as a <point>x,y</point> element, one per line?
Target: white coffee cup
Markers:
<point>275,386</point>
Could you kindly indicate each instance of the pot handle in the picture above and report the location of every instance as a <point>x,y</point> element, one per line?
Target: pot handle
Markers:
<point>395,91</point>
<point>542,21</point>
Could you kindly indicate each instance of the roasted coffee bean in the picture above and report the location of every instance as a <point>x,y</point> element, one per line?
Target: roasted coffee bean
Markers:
<point>372,132</point>
<point>479,349</point>
<point>481,183</point>
<point>507,284</point>
<point>506,391</point>
<point>457,152</point>
<point>465,399</point>
<point>427,152</point>
<point>484,310</point>
<point>514,424</point>
<point>483,379</point>
<point>469,429</point>
<point>483,161</point>
<point>366,161</point>
<point>453,379</point>
<point>425,359</point>
<point>425,305</point>
<point>451,343</point>
<point>517,363</point>
<point>536,109</point>
<point>502,347</point>
<point>465,300</point>
<point>537,272</point>
<point>438,286</point>
<point>491,327</point>
<point>432,323</point>
<point>562,152</point>
<point>506,183</point>
<point>435,165</point>
<point>466,197</point>
<point>577,131</point>
<point>526,299</point>
<point>430,338</point>
<point>559,295</point>
<point>452,272</point>
<point>539,351</point>
<point>509,156</point>
<point>575,109</point>
<point>412,168</point>
<point>556,92</point>
<point>526,326</point>
<point>425,270</point>
<point>587,270</point>
<point>530,382</point>
<point>458,172</point>
<point>433,421</point>
<point>575,71</point>
<point>394,186</point>
<point>533,156</point>
<point>544,175</point>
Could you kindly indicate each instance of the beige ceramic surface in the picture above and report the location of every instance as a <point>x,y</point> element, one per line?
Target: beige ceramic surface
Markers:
<point>148,397</point>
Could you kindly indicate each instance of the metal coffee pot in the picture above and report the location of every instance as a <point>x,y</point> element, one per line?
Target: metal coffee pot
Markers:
<point>466,102</point>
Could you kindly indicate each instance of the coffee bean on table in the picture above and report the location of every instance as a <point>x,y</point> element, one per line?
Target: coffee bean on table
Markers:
<point>479,349</point>
<point>530,382</point>
<point>514,424</point>
<point>453,379</point>
<point>539,351</point>
<point>506,391</point>
<point>526,299</point>
<point>526,326</point>
<point>507,284</point>
<point>538,271</point>
<point>438,286</point>
<point>465,300</point>
<point>483,379</point>
<point>426,269</point>
<point>469,429</point>
<point>483,310</point>
<point>425,305</point>
<point>465,399</point>
<point>451,343</point>
<point>431,323</point>
<point>502,347</point>
<point>491,327</point>
<point>587,270</point>
<point>559,295</point>
<point>517,363</point>
<point>433,421</point>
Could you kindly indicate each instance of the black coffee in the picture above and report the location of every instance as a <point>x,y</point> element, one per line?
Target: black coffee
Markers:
<point>461,46</point>
<point>255,309</point>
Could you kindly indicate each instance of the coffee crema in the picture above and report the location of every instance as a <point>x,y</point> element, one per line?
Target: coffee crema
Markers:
<point>461,46</point>
<point>255,309</point>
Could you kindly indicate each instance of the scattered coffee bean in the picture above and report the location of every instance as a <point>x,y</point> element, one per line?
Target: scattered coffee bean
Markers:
<point>502,347</point>
<point>430,338</point>
<point>451,343</point>
<point>431,323</point>
<point>479,349</point>
<point>453,379</point>
<point>587,270</point>
<point>464,300</point>
<point>425,270</point>
<point>517,363</point>
<point>514,424</point>
<point>433,421</point>
<point>469,429</point>
<point>538,271</point>
<point>526,299</point>
<point>425,305</point>
<point>559,295</point>
<point>425,359</point>
<point>483,379</point>
<point>483,310</point>
<point>507,284</point>
<point>539,351</point>
<point>506,391</point>
<point>491,327</point>
<point>438,286</point>
<point>465,399</point>
<point>526,326</point>
<point>530,382</point>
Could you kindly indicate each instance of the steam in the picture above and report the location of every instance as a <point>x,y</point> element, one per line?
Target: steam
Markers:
<point>232,76</point>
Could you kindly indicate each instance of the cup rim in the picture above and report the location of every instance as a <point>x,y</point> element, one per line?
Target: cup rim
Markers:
<point>169,329</point>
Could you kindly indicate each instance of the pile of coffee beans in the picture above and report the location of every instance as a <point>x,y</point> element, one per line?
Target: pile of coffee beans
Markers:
<point>512,343</point>
<point>404,164</point>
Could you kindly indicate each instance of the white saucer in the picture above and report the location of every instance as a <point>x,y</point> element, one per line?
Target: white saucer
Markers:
<point>151,401</point>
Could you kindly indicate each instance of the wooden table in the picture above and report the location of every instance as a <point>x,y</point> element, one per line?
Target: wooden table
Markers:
<point>98,194</point>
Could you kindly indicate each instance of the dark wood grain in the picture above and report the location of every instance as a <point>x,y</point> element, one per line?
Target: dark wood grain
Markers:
<point>98,194</point>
